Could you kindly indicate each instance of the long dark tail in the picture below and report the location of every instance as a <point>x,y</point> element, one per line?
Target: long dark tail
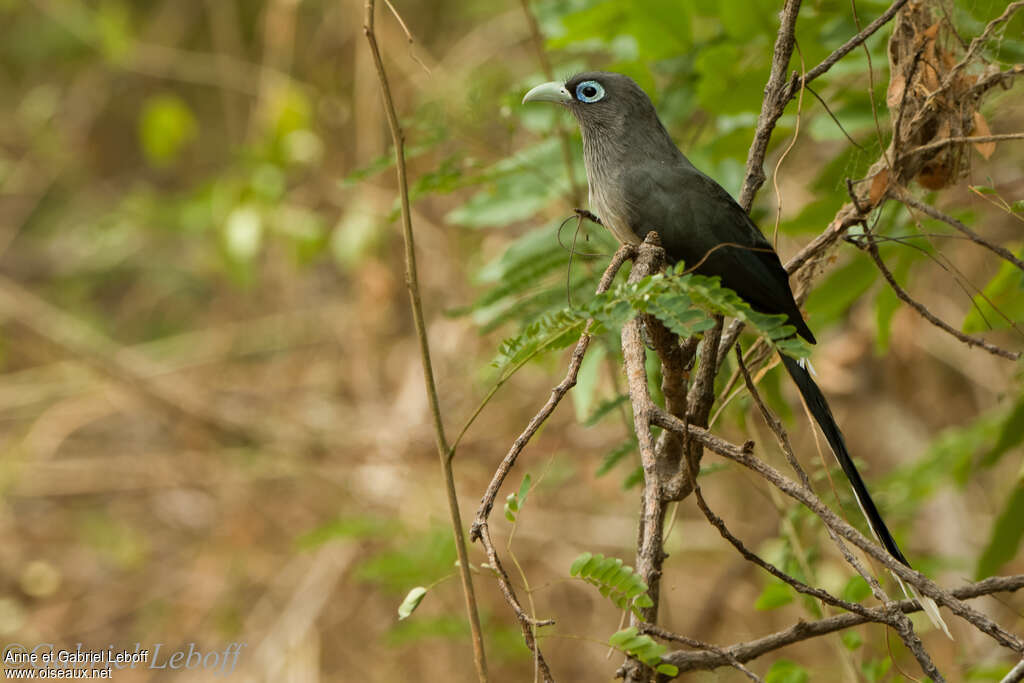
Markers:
<point>818,406</point>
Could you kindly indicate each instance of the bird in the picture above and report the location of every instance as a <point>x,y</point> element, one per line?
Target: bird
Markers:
<point>639,181</point>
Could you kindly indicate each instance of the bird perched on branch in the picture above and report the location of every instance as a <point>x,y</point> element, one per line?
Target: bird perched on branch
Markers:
<point>639,181</point>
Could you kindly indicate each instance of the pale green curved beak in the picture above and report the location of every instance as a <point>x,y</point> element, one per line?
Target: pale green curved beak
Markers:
<point>549,92</point>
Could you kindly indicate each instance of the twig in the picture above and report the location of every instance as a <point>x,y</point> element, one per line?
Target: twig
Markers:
<point>699,400</point>
<point>526,623</point>
<point>901,293</point>
<point>797,585</point>
<point>487,502</point>
<point>745,652</point>
<point>650,553</point>
<point>981,40</point>
<point>961,140</point>
<point>480,530</point>
<point>899,622</point>
<point>1016,674</point>
<point>412,283</point>
<point>848,46</point>
<point>930,210</point>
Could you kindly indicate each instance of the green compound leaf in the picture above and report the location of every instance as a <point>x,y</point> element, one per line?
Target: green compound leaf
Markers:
<point>615,581</point>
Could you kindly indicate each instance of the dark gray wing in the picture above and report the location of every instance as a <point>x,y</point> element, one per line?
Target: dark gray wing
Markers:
<point>700,223</point>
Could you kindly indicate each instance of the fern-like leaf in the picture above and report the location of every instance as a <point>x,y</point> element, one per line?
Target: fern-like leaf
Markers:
<point>614,581</point>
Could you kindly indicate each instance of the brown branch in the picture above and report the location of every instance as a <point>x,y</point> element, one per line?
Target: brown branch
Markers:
<point>897,620</point>
<point>480,530</point>
<point>1016,674</point>
<point>650,553</point>
<point>700,400</point>
<point>1003,78</point>
<point>797,585</point>
<point>773,104</point>
<point>412,284</point>
<point>745,652</point>
<point>902,294</point>
<point>782,438</point>
<point>779,93</point>
<point>980,40</point>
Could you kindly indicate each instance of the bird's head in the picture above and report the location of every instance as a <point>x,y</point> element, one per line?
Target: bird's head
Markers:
<point>598,99</point>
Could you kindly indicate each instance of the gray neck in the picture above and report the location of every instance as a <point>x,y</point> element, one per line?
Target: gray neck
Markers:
<point>613,145</point>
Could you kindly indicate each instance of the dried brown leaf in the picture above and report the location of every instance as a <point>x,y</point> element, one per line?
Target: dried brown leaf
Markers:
<point>985,149</point>
<point>879,184</point>
<point>936,174</point>
<point>895,93</point>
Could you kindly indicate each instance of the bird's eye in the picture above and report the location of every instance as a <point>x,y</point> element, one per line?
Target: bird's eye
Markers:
<point>589,91</point>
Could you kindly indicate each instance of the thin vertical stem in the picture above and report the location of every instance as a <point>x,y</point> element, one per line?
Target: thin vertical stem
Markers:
<point>412,284</point>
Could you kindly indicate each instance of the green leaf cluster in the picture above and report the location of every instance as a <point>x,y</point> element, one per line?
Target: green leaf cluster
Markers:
<point>614,581</point>
<point>683,301</point>
<point>643,648</point>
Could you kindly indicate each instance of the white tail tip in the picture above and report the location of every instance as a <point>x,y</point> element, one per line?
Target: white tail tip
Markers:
<point>931,609</point>
<point>805,363</point>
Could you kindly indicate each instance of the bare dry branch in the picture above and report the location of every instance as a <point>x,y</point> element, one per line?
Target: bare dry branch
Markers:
<point>745,652</point>
<point>965,140</point>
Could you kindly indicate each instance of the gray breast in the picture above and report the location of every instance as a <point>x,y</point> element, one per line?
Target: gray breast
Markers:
<point>607,198</point>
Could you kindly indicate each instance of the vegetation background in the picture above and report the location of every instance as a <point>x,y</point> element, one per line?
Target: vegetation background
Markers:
<point>211,410</point>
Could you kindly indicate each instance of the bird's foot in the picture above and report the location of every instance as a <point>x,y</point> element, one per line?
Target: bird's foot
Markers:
<point>583,213</point>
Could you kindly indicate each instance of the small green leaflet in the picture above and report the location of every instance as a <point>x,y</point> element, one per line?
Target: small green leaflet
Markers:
<point>856,589</point>
<point>786,671</point>
<point>775,594</point>
<point>411,602</point>
<point>515,501</point>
